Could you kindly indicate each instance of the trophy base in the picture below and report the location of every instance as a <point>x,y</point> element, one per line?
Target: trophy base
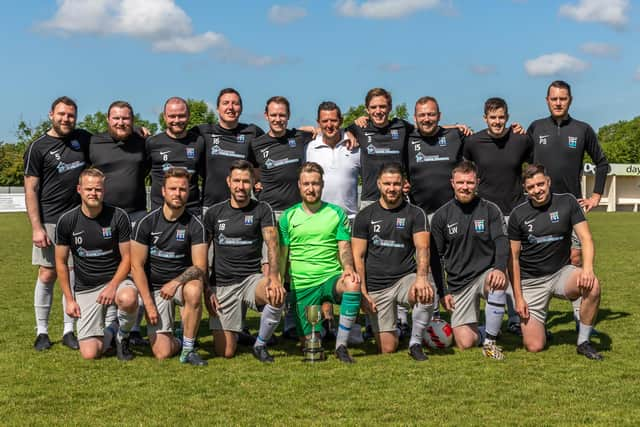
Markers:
<point>314,355</point>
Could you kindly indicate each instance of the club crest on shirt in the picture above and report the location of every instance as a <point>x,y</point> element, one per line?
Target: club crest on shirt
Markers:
<point>191,153</point>
<point>75,144</point>
<point>180,234</point>
<point>478,225</point>
<point>240,139</point>
<point>292,143</point>
<point>573,142</point>
<point>400,223</point>
<point>248,220</point>
<point>542,139</point>
<point>395,134</point>
<point>453,228</point>
<point>442,141</point>
<point>554,216</point>
<point>106,232</point>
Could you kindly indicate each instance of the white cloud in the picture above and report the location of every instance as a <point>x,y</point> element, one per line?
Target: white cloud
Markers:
<point>383,9</point>
<point>609,12</point>
<point>554,63</point>
<point>190,44</point>
<point>600,49</point>
<point>285,14</point>
<point>162,23</point>
<point>482,69</point>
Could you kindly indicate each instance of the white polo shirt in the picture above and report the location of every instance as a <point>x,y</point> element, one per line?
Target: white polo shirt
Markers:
<point>341,170</point>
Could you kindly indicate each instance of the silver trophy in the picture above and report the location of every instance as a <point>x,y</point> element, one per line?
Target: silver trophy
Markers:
<point>313,351</point>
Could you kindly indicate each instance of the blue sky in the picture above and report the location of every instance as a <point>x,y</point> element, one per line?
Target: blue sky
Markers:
<point>460,51</point>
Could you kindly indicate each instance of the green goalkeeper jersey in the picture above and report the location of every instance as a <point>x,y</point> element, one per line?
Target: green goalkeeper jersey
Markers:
<point>313,243</point>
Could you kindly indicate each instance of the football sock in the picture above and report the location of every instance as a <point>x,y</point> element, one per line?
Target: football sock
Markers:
<point>576,309</point>
<point>348,313</point>
<point>403,314</point>
<point>138,318</point>
<point>187,345</point>
<point>42,299</point>
<point>290,314</point>
<point>269,321</point>
<point>584,331</point>
<point>126,321</point>
<point>109,332</point>
<point>511,307</point>
<point>69,321</point>
<point>493,312</point>
<point>421,316</point>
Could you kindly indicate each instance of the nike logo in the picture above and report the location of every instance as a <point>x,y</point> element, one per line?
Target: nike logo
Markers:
<point>162,153</point>
<point>156,233</point>
<point>452,225</point>
<point>77,233</point>
<point>223,220</point>
<point>295,225</point>
<point>529,222</point>
<point>369,133</point>
<point>377,222</point>
<point>54,152</point>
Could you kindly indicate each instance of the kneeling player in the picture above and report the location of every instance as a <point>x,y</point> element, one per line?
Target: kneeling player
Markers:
<point>469,234</point>
<point>315,241</point>
<point>540,235</point>
<point>97,236</point>
<point>238,226</point>
<point>391,254</point>
<point>169,258</point>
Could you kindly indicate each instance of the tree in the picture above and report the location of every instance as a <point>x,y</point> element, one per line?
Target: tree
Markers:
<point>11,162</point>
<point>353,113</point>
<point>97,123</point>
<point>199,113</point>
<point>621,141</point>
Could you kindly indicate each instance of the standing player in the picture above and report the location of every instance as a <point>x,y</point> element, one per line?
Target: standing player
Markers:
<point>559,144</point>
<point>382,141</point>
<point>469,235</point>
<point>52,166</point>
<point>499,153</point>
<point>391,254</point>
<point>238,226</point>
<point>120,154</point>
<point>168,265</point>
<point>315,243</point>
<point>278,154</point>
<point>226,141</point>
<point>540,235</point>
<point>97,235</point>
<point>176,147</point>
<point>341,165</point>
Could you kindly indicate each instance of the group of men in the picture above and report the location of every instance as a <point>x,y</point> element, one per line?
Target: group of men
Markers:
<point>271,227</point>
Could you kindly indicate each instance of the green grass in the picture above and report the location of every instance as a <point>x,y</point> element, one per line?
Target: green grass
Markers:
<point>453,388</point>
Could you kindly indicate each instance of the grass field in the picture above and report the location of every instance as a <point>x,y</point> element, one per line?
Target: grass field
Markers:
<point>555,387</point>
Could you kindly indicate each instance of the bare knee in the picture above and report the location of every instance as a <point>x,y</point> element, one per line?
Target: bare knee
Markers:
<point>534,347</point>
<point>90,351</point>
<point>192,293</point>
<point>47,275</point>
<point>127,300</point>
<point>387,348</point>
<point>351,286</point>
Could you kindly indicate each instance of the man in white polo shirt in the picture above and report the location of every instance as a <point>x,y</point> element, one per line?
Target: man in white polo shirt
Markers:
<point>341,165</point>
<point>341,170</point>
